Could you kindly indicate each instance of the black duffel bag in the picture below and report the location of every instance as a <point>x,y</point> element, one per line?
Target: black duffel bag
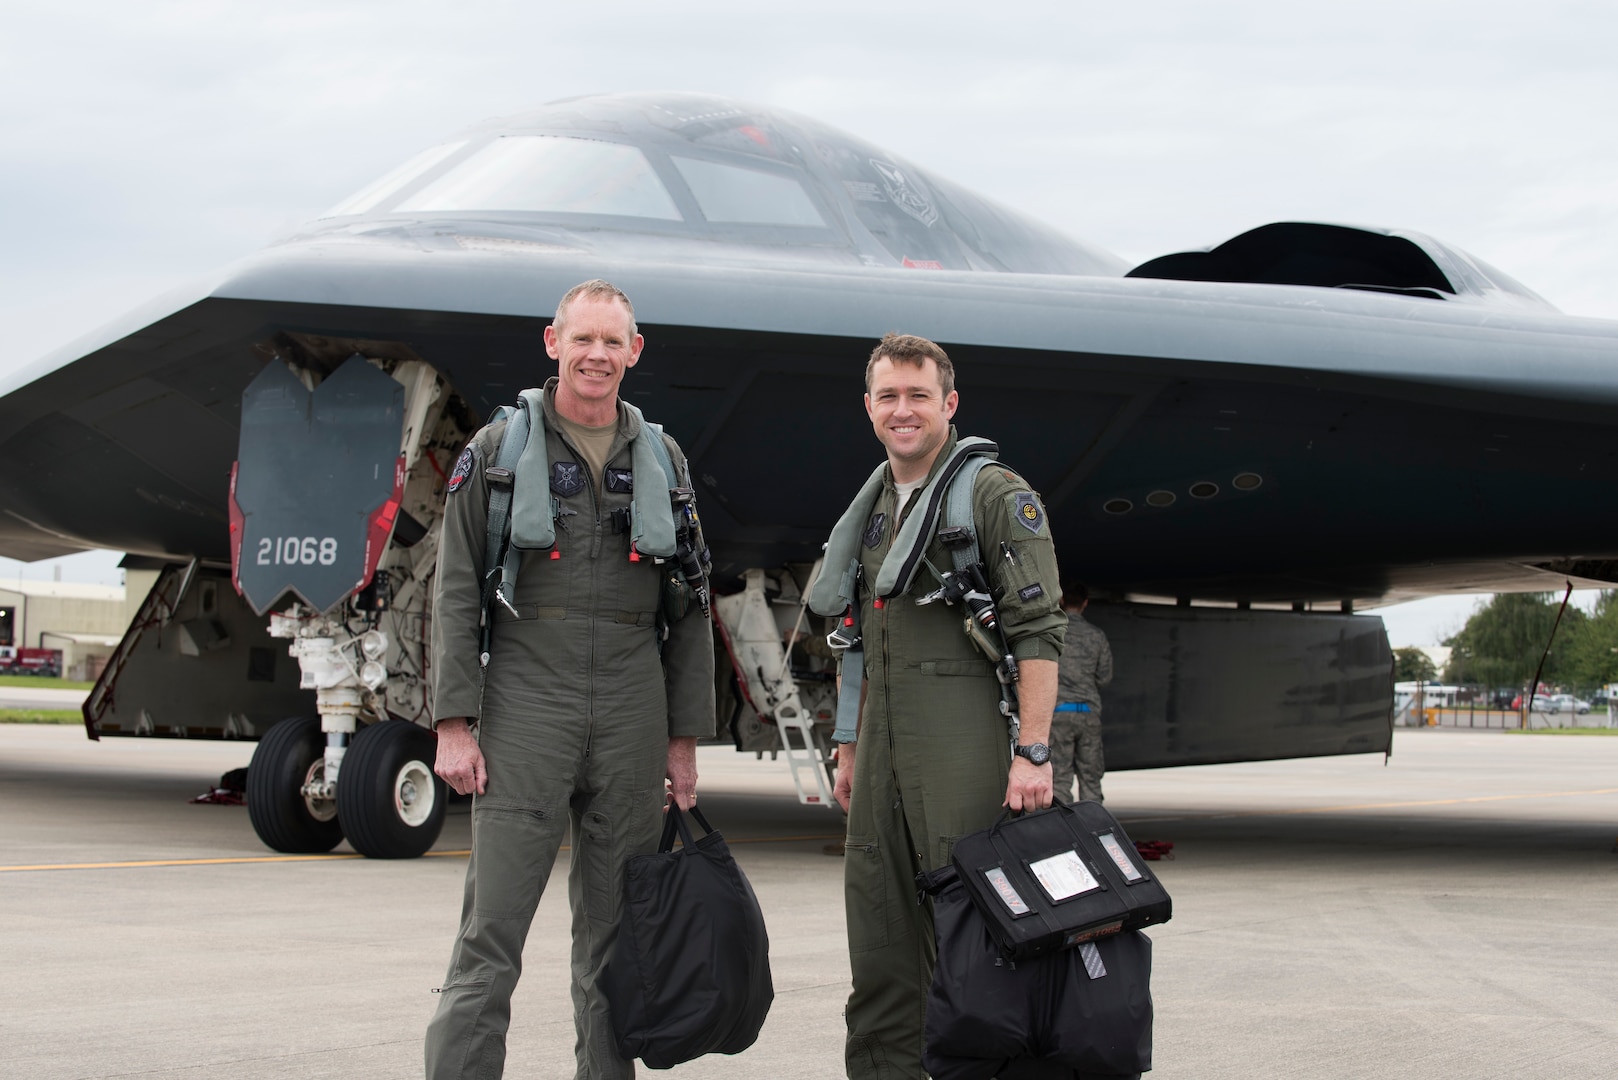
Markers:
<point>690,972</point>
<point>1080,1012</point>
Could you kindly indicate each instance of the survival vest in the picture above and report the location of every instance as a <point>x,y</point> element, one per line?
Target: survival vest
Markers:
<point>523,517</point>
<point>943,509</point>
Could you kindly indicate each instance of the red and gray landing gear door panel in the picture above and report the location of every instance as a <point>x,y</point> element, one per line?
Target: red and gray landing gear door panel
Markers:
<point>317,483</point>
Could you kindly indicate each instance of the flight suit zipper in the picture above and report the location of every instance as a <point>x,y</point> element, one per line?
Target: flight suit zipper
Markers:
<point>881,608</point>
<point>594,582</point>
<point>596,540</point>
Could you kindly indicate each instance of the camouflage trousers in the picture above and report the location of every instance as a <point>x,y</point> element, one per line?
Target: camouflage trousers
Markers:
<point>1076,748</point>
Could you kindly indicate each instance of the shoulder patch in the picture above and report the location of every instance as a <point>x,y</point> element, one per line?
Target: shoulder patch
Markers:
<point>463,469</point>
<point>1028,511</point>
<point>1032,592</point>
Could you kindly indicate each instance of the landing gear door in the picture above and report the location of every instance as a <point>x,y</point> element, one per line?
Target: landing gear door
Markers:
<point>317,483</point>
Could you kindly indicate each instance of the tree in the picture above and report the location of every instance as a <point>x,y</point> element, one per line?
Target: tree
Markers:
<point>1592,654</point>
<point>1501,643</point>
<point>1410,664</point>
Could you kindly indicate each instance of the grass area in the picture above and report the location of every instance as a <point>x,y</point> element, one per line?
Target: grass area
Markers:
<point>1565,731</point>
<point>41,716</point>
<point>38,683</point>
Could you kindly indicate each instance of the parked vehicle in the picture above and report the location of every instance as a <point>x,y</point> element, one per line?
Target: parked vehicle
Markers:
<point>46,663</point>
<point>1566,703</point>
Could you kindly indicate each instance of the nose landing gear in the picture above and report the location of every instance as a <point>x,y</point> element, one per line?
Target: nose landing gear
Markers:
<point>390,802</point>
<point>389,805</point>
<point>290,759</point>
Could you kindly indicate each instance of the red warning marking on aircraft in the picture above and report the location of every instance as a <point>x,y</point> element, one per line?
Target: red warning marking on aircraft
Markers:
<point>922,264</point>
<point>755,134</point>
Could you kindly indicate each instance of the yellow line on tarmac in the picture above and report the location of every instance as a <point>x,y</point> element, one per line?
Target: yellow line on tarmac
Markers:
<point>141,864</point>
<point>175,862</point>
<point>1376,806</point>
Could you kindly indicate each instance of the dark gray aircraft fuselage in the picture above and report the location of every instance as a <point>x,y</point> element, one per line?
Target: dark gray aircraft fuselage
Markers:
<point>1304,415</point>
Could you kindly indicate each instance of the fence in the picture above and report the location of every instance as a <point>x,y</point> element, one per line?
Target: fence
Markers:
<point>1465,717</point>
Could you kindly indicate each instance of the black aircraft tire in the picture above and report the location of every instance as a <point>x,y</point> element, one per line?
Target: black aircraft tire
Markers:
<point>389,800</point>
<point>281,764</point>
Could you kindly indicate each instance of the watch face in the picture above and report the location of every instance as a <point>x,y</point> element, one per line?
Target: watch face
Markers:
<point>1038,753</point>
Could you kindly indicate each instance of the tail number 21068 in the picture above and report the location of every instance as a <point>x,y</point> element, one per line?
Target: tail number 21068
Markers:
<point>293,550</point>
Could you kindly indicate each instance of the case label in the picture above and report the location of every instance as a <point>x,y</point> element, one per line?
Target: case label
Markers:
<point>1063,875</point>
<point>1007,891</point>
<point>1092,934</point>
<point>1116,850</point>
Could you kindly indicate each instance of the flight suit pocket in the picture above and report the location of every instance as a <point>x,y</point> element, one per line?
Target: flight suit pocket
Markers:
<point>542,582</point>
<point>866,894</point>
<point>946,849</point>
<point>515,850</point>
<point>601,866</point>
<point>1023,593</point>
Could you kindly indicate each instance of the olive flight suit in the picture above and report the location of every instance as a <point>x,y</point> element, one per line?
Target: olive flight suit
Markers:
<point>933,753</point>
<point>573,714</point>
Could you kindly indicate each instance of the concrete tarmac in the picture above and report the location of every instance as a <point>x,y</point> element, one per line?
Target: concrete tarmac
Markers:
<point>1451,914</point>
<point>43,697</point>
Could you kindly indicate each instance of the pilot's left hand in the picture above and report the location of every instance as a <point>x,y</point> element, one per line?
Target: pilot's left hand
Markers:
<point>682,771</point>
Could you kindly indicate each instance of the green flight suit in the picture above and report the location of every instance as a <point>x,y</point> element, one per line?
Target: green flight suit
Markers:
<point>574,715</point>
<point>933,752</point>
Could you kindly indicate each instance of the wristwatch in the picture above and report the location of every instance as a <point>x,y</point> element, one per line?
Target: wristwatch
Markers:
<point>1037,752</point>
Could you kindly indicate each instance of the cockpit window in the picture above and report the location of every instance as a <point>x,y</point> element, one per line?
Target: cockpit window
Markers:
<point>550,174</point>
<point>367,198</point>
<point>728,194</point>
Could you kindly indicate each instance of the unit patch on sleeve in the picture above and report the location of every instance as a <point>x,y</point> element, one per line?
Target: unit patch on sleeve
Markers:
<point>1032,592</point>
<point>567,478</point>
<point>873,531</point>
<point>463,469</point>
<point>1029,514</point>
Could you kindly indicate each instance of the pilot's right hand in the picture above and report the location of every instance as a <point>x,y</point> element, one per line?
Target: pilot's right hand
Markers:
<point>460,758</point>
<point>843,787</point>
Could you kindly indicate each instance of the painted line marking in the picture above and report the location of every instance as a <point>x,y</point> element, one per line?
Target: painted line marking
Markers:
<point>341,856</point>
<point>1375,806</point>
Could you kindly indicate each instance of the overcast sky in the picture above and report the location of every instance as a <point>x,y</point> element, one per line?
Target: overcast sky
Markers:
<point>143,144</point>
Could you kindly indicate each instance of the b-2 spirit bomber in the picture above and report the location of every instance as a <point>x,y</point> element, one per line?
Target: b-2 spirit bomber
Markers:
<point>1235,446</point>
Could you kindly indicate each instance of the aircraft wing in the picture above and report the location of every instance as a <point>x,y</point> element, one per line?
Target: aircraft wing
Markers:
<point>1194,435</point>
<point>1395,441</point>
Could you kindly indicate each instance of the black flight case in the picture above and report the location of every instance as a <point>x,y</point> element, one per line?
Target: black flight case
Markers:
<point>1055,878</point>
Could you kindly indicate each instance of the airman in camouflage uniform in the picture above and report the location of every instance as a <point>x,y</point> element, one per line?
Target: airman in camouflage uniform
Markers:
<point>578,719</point>
<point>1086,666</point>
